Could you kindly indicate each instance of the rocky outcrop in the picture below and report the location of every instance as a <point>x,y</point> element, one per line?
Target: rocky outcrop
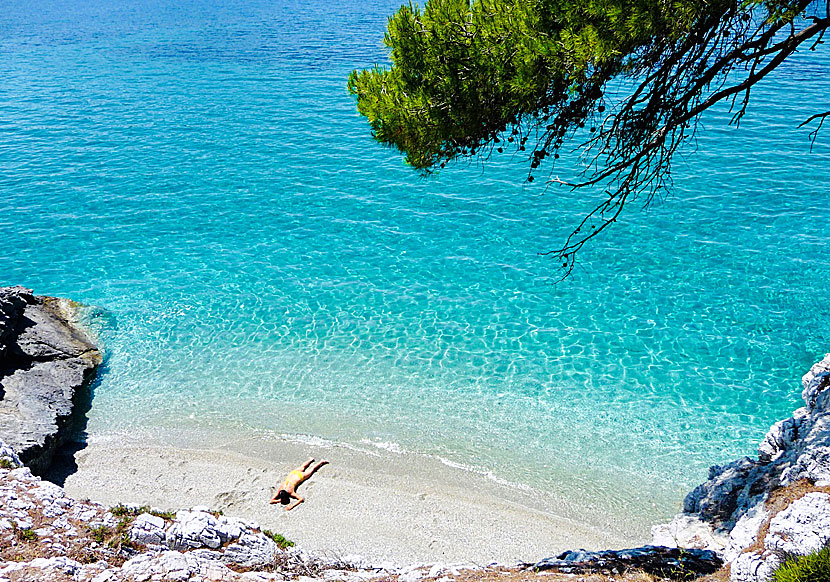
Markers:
<point>226,540</point>
<point>803,527</point>
<point>656,560</point>
<point>46,364</point>
<point>752,510</point>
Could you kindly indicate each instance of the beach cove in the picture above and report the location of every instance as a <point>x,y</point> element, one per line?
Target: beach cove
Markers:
<point>267,283</point>
<point>740,523</point>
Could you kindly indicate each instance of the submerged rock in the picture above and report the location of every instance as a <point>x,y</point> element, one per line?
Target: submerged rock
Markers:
<point>46,364</point>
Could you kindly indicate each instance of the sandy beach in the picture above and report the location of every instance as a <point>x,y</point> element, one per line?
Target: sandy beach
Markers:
<point>381,505</point>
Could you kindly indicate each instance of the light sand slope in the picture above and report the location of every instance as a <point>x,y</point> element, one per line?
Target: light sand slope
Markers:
<point>384,506</point>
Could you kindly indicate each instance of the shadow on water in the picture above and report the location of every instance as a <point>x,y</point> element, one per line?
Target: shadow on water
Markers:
<point>64,462</point>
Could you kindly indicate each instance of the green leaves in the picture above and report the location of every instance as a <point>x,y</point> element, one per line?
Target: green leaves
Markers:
<point>488,75</point>
<point>460,75</point>
<point>462,72</point>
<point>814,567</point>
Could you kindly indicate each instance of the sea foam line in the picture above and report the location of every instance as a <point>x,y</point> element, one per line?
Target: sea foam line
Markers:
<point>398,449</point>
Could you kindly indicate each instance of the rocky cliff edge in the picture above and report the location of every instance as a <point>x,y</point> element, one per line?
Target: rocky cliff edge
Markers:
<point>46,365</point>
<point>756,511</point>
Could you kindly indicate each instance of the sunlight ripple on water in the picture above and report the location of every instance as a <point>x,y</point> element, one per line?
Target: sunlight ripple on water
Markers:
<point>197,172</point>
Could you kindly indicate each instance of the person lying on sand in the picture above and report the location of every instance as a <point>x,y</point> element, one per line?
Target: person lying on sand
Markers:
<point>289,488</point>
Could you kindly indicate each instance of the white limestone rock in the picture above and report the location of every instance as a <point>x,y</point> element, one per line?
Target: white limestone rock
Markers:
<point>411,576</point>
<point>148,529</point>
<point>59,563</point>
<point>782,436</point>
<point>175,566</point>
<point>688,531</point>
<point>745,532</point>
<point>193,530</point>
<point>23,474</point>
<point>801,528</point>
<point>261,577</point>
<point>204,554</point>
<point>8,568</point>
<point>229,540</point>
<point>349,576</point>
<point>251,550</point>
<point>813,464</point>
<point>752,567</point>
<point>816,381</point>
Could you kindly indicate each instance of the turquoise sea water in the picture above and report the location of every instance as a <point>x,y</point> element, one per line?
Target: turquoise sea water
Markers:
<point>197,172</point>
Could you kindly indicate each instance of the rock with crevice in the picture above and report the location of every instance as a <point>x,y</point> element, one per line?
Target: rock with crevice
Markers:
<point>802,527</point>
<point>46,364</point>
<point>225,539</point>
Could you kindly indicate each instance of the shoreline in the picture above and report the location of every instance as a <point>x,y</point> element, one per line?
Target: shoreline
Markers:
<point>382,506</point>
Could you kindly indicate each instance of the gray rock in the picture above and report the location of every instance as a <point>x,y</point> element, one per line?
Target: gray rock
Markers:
<point>688,531</point>
<point>7,453</point>
<point>781,437</point>
<point>228,540</point>
<point>745,532</point>
<point>59,563</point>
<point>730,491</point>
<point>197,529</point>
<point>656,560</point>
<point>204,554</point>
<point>801,528</point>
<point>13,301</point>
<point>174,566</point>
<point>148,530</point>
<point>251,551</point>
<point>46,360</point>
<point>816,381</point>
<point>751,567</point>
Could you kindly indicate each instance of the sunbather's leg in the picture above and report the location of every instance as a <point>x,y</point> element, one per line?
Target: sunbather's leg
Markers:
<point>307,474</point>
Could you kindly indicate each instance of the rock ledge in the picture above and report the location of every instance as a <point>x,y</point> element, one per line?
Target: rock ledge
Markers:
<point>46,365</point>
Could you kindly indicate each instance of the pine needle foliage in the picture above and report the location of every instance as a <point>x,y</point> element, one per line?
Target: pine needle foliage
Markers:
<point>813,567</point>
<point>473,78</point>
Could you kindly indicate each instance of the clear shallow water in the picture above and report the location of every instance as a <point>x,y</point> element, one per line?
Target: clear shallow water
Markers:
<point>198,173</point>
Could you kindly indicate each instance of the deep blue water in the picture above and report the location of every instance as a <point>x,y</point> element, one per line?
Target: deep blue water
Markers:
<point>197,172</point>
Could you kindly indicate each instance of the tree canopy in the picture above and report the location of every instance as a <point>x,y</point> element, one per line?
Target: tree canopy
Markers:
<point>621,82</point>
